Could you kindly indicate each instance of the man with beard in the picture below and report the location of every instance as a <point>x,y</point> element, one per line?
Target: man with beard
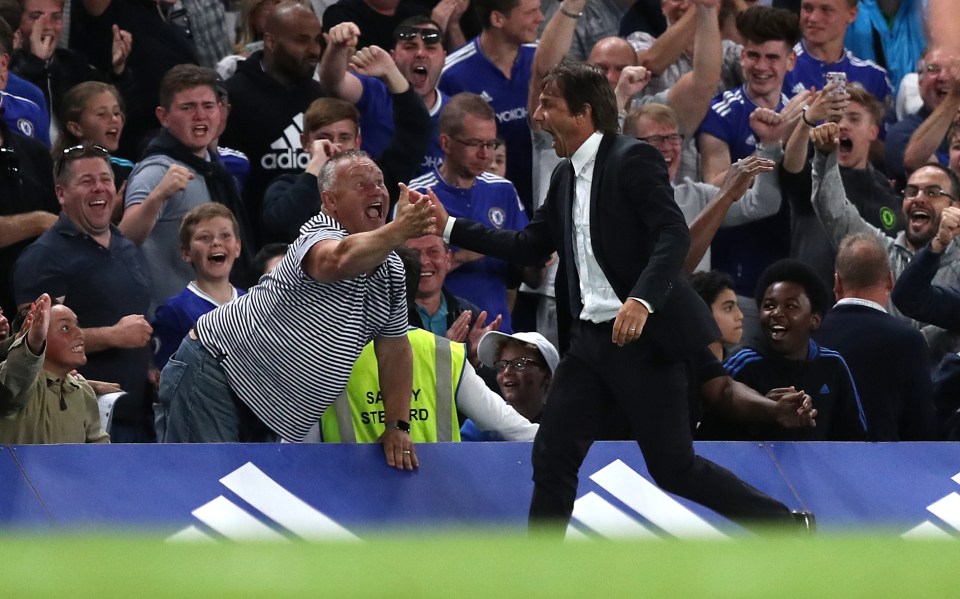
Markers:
<point>929,191</point>
<point>269,93</point>
<point>418,54</point>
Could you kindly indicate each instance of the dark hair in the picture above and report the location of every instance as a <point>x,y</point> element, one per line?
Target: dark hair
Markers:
<point>63,165</point>
<point>416,21</point>
<point>16,323</point>
<point>325,111</point>
<point>795,271</point>
<point>411,266</point>
<point>6,36</point>
<point>203,212</point>
<point>72,106</point>
<point>267,253</point>
<point>861,261</point>
<point>760,24</point>
<point>581,84</point>
<point>183,77</point>
<point>485,7</point>
<point>954,180</point>
<point>709,285</point>
<point>458,107</point>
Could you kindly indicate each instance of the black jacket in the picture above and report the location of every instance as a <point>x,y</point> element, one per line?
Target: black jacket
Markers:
<point>266,120</point>
<point>639,238</point>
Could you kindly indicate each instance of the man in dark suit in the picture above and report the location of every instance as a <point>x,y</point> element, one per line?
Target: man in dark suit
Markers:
<point>888,358</point>
<point>627,317</point>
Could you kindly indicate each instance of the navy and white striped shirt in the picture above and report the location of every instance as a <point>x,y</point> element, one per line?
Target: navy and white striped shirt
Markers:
<point>288,345</point>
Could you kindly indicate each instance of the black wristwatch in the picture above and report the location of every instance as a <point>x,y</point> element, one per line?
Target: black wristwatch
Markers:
<point>400,425</point>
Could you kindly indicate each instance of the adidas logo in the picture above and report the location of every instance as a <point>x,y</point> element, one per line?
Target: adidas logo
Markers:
<point>289,154</point>
<point>652,512</point>
<point>487,97</point>
<point>825,390</point>
<point>947,509</point>
<point>288,515</point>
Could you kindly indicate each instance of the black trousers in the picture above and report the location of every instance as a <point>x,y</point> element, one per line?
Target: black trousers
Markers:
<point>597,381</point>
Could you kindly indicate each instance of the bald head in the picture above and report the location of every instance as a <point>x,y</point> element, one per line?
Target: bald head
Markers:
<point>611,55</point>
<point>285,15</point>
<point>861,267</point>
<point>292,42</point>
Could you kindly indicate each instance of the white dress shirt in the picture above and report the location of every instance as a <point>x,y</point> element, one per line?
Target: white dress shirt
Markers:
<point>600,301</point>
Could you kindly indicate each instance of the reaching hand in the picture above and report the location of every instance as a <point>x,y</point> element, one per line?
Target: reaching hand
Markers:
<point>42,42</point>
<point>320,151</point>
<point>344,35</point>
<point>460,328</point>
<point>132,331</point>
<point>632,81</point>
<point>477,331</point>
<point>949,226</point>
<point>768,125</point>
<point>794,408</point>
<point>414,216</point>
<point>122,45</point>
<point>827,106</point>
<point>741,173</point>
<point>373,61</point>
<point>174,180</point>
<point>439,211</point>
<point>37,322</point>
<point>826,137</point>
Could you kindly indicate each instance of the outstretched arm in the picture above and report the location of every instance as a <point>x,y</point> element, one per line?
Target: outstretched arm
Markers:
<point>334,260</point>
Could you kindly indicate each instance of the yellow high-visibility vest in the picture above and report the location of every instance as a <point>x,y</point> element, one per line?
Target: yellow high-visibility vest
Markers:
<point>357,416</point>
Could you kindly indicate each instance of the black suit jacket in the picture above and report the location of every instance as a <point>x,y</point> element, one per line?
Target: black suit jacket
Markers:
<point>639,238</point>
<point>889,364</point>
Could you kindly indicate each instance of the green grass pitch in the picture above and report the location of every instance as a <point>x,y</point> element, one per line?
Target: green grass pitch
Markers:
<point>479,564</point>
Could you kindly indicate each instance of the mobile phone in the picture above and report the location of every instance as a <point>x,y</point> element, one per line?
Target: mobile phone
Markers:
<point>840,78</point>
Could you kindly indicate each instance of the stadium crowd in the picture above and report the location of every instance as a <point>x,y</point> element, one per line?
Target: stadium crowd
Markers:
<point>236,213</point>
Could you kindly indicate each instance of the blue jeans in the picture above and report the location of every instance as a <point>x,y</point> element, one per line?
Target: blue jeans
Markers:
<point>199,405</point>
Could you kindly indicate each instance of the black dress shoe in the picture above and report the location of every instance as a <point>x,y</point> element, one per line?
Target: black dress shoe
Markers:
<point>805,520</point>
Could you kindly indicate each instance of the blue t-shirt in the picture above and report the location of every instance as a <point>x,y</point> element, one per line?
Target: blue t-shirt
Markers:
<point>236,163</point>
<point>902,40</point>
<point>18,86</point>
<point>25,117</point>
<point>810,72</point>
<point>469,70</point>
<point>175,317</point>
<point>729,120</point>
<point>492,201</point>
<point>746,250</point>
<point>376,122</point>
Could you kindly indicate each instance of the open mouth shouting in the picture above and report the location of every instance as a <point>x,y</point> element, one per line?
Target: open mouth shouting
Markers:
<point>374,211</point>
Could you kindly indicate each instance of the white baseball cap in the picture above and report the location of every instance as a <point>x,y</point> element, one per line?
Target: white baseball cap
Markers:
<point>491,342</point>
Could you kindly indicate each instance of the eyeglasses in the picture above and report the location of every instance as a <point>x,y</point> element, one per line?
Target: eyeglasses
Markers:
<point>81,151</point>
<point>518,364</point>
<point>931,191</point>
<point>931,69</point>
<point>408,34</point>
<point>673,139</point>
<point>476,144</point>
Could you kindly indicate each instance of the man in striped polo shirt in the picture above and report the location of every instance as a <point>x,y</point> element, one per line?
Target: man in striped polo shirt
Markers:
<point>339,286</point>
